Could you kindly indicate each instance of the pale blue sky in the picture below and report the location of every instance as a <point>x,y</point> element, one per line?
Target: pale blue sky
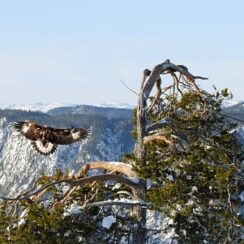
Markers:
<point>78,51</point>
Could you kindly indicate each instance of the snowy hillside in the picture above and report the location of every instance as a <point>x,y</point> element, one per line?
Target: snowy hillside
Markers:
<point>21,165</point>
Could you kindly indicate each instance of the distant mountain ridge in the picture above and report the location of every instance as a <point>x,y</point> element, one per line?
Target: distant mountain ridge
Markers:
<point>45,107</point>
<point>229,103</point>
<point>42,107</point>
<point>93,110</point>
<point>236,111</point>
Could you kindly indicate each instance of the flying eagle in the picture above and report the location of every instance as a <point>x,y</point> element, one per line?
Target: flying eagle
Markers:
<point>46,139</point>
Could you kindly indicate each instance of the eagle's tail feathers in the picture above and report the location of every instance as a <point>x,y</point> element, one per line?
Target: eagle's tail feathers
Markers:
<point>82,134</point>
<point>44,148</point>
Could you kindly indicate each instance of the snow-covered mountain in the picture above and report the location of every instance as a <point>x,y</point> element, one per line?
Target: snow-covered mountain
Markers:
<point>21,165</point>
<point>45,107</point>
<point>229,103</point>
<point>115,105</point>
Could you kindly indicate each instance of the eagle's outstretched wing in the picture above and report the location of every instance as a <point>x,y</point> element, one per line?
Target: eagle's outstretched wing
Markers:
<point>29,129</point>
<point>46,139</point>
<point>69,135</point>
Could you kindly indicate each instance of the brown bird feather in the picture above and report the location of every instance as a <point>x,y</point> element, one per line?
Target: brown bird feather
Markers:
<point>45,139</point>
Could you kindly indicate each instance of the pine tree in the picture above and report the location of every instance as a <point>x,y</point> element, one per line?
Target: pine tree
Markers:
<point>192,157</point>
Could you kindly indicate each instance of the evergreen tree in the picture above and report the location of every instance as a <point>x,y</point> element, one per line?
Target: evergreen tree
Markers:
<point>46,218</point>
<point>194,166</point>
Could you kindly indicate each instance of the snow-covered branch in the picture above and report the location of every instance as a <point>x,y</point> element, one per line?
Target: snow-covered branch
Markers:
<point>158,125</point>
<point>157,137</point>
<point>118,202</point>
<point>77,182</point>
<point>119,167</point>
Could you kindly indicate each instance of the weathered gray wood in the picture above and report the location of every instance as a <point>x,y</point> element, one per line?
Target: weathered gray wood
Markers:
<point>149,79</point>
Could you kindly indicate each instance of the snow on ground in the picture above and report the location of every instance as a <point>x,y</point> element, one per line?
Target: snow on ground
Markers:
<point>242,196</point>
<point>73,210</point>
<point>108,221</point>
<point>156,223</point>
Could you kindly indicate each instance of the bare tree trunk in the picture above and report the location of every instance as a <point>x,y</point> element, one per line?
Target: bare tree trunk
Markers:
<point>150,78</point>
<point>140,234</point>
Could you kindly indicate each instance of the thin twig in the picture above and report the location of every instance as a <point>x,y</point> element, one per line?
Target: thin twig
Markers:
<point>129,88</point>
